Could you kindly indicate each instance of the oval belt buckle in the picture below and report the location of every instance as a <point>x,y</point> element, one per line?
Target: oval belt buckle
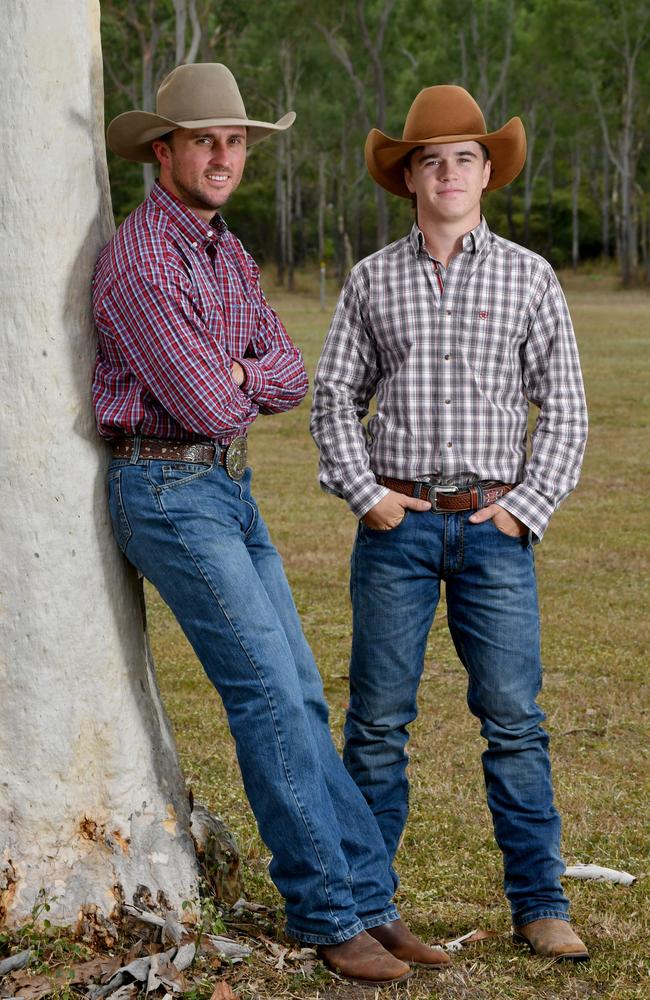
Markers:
<point>237,457</point>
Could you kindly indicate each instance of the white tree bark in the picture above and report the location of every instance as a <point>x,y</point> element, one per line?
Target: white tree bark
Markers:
<point>93,809</point>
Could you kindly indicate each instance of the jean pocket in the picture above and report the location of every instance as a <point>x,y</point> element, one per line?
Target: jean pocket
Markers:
<point>121,526</point>
<point>382,532</point>
<point>165,475</point>
<point>504,534</point>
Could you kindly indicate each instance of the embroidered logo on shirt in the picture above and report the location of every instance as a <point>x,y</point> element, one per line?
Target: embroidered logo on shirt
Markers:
<point>483,314</point>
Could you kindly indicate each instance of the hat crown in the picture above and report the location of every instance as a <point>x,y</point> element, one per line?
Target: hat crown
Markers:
<point>443,111</point>
<point>199,91</point>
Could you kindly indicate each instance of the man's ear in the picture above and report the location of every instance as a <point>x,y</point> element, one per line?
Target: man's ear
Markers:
<point>487,173</point>
<point>408,180</point>
<point>162,151</point>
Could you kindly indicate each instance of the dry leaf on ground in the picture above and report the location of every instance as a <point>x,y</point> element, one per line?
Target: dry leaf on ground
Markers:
<point>223,991</point>
<point>472,936</point>
<point>597,873</point>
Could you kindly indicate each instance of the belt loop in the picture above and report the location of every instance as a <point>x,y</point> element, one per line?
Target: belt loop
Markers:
<point>479,495</point>
<point>135,454</point>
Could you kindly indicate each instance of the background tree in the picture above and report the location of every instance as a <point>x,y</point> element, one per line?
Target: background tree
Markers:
<point>575,74</point>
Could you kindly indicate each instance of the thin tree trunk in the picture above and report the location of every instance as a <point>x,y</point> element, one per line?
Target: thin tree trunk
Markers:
<point>280,212</point>
<point>575,217</point>
<point>322,202</point>
<point>605,209</point>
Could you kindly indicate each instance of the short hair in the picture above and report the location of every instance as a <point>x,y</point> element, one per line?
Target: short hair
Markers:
<point>168,137</point>
<point>407,159</point>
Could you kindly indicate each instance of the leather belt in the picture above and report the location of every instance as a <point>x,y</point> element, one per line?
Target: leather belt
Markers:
<point>175,451</point>
<point>232,456</point>
<point>449,499</point>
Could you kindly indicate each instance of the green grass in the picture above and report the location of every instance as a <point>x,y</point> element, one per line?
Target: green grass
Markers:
<point>594,592</point>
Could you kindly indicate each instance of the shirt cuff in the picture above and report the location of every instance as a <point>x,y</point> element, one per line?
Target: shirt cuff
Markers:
<point>365,495</point>
<point>255,382</point>
<point>532,508</point>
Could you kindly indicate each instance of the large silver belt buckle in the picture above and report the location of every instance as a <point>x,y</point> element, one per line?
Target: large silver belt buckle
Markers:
<point>236,458</point>
<point>434,489</point>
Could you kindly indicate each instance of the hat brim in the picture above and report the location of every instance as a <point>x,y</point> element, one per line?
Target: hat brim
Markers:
<point>385,156</point>
<point>130,134</point>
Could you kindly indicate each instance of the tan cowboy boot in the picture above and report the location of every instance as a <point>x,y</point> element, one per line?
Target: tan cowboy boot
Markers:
<point>363,960</point>
<point>396,938</point>
<point>552,938</point>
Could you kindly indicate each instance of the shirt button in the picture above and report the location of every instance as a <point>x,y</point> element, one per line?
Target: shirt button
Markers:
<point>449,444</point>
<point>195,245</point>
<point>447,357</point>
<point>449,312</point>
<point>447,401</point>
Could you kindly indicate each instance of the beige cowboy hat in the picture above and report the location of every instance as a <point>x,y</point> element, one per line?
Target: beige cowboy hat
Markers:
<point>198,95</point>
<point>445,114</point>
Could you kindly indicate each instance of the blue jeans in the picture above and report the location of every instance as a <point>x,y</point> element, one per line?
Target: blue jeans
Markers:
<point>493,618</point>
<point>198,537</point>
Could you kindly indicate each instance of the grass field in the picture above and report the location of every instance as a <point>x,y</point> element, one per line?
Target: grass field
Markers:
<point>594,589</point>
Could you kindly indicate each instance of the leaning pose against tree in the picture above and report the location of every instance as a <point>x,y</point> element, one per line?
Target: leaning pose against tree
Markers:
<point>189,354</point>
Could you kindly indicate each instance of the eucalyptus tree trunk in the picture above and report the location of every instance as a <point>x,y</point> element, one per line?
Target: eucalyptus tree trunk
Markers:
<point>575,206</point>
<point>322,203</point>
<point>280,210</point>
<point>93,808</point>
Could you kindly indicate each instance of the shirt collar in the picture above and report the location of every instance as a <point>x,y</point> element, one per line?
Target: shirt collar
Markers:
<point>473,242</point>
<point>197,232</point>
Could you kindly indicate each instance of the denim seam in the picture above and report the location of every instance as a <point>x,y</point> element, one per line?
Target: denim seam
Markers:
<point>324,939</point>
<point>271,707</point>
<point>540,914</point>
<point>125,532</point>
<point>388,917</point>
<point>203,471</point>
<point>253,523</point>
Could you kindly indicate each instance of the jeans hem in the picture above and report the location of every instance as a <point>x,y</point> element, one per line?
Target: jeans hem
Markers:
<point>529,915</point>
<point>325,939</point>
<point>387,917</point>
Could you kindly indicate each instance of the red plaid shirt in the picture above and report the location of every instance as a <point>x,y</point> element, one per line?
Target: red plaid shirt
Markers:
<point>176,301</point>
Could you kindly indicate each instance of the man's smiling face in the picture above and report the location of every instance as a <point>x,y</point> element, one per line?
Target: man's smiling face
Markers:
<point>448,181</point>
<point>202,167</point>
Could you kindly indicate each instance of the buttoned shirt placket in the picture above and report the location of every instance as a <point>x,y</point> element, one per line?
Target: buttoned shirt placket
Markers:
<point>443,281</point>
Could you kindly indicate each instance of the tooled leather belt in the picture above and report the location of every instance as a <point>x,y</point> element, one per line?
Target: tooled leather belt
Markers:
<point>232,456</point>
<point>449,499</point>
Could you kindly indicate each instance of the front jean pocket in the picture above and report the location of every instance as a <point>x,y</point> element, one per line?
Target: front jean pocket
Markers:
<point>523,539</point>
<point>382,532</point>
<point>121,526</point>
<point>165,475</point>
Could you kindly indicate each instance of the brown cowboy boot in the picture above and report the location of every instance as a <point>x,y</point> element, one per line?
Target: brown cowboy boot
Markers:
<point>396,938</point>
<point>363,960</point>
<point>552,938</point>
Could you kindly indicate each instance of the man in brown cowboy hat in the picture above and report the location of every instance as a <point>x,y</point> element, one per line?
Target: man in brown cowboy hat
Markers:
<point>189,354</point>
<point>456,332</point>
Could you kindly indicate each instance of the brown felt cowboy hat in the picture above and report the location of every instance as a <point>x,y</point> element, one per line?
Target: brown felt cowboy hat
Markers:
<point>445,114</point>
<point>199,95</point>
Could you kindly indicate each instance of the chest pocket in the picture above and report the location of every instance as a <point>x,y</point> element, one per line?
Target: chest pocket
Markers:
<point>490,342</point>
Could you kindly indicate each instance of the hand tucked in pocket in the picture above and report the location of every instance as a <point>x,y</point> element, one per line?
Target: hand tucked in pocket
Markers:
<point>390,511</point>
<point>503,520</point>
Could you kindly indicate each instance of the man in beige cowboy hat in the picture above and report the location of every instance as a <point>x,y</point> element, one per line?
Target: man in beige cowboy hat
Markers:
<point>189,354</point>
<point>456,332</point>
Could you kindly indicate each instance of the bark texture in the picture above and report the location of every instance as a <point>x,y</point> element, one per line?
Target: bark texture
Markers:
<point>93,807</point>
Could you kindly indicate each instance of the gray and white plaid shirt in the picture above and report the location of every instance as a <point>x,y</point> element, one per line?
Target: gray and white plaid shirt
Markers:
<point>454,357</point>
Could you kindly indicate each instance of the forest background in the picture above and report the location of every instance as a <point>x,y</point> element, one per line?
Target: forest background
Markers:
<point>576,71</point>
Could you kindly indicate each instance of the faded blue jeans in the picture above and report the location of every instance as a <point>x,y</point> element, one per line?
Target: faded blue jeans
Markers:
<point>199,538</point>
<point>493,618</point>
